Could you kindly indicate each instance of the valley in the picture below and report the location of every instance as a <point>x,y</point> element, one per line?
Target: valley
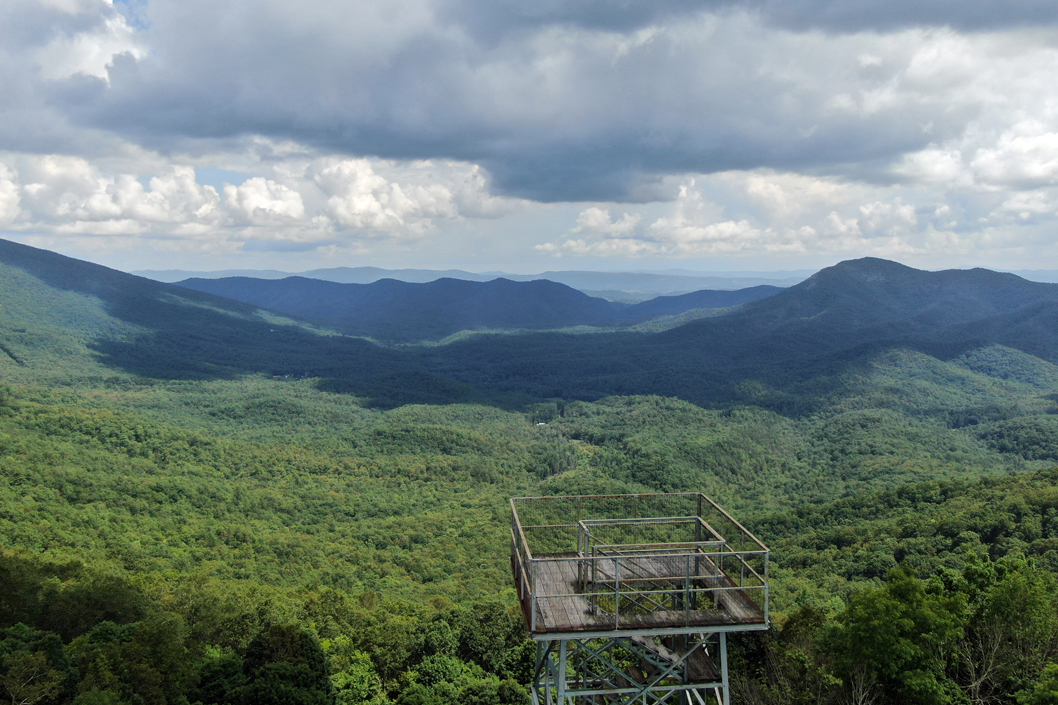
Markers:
<point>185,476</point>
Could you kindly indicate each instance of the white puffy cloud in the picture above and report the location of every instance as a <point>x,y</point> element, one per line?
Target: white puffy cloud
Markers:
<point>301,201</point>
<point>1025,155</point>
<point>9,195</point>
<point>818,127</point>
<point>70,193</point>
<point>357,197</point>
<point>597,221</point>
<point>261,200</point>
<point>769,214</point>
<point>90,51</point>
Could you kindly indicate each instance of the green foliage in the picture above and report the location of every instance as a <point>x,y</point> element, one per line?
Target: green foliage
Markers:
<point>180,475</point>
<point>1046,691</point>
<point>902,636</point>
<point>1031,437</point>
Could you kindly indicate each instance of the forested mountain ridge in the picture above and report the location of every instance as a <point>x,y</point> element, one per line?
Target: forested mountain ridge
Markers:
<point>872,301</point>
<point>202,502</point>
<point>391,310</point>
<point>815,330</point>
<point>395,311</point>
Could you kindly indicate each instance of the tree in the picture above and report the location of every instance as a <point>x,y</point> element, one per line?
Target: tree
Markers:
<point>29,678</point>
<point>901,635</point>
<point>285,665</point>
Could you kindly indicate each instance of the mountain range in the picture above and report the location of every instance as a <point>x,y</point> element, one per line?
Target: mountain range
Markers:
<point>811,333</point>
<point>395,311</point>
<point>628,287</point>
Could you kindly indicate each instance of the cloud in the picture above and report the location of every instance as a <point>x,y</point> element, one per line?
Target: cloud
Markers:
<point>357,197</point>
<point>597,221</point>
<point>1026,155</point>
<point>777,214</point>
<point>261,200</point>
<point>798,126</point>
<point>9,196</point>
<point>310,203</point>
<point>571,102</point>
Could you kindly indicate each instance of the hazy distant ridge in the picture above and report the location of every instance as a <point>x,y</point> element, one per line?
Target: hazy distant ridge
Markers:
<point>399,311</point>
<point>646,284</point>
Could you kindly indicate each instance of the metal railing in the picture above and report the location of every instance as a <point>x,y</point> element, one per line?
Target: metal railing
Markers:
<point>652,562</point>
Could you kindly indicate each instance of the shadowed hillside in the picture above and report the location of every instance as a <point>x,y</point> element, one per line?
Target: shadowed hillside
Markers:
<point>64,316</point>
<point>396,311</point>
<point>707,298</point>
<point>814,331</point>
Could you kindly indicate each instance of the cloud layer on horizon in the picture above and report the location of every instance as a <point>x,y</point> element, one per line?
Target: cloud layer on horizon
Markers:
<point>681,129</point>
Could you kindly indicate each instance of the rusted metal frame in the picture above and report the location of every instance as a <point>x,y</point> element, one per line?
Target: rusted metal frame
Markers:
<point>586,666</point>
<point>664,691</point>
<point>521,576</point>
<point>767,591</point>
<point>638,597</point>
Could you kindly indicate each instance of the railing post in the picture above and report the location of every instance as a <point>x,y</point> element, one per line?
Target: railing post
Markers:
<point>562,673</point>
<point>767,587</point>
<point>617,593</point>
<point>723,668</point>
<point>532,584</point>
<point>687,592</point>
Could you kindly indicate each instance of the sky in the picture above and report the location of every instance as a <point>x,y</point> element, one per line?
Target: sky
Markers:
<point>528,136</point>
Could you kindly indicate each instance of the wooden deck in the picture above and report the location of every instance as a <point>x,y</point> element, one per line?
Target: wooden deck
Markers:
<point>559,609</point>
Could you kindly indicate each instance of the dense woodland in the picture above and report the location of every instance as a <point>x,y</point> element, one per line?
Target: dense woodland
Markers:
<point>202,503</point>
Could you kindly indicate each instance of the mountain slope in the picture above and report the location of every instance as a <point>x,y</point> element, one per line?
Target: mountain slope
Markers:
<point>644,285</point>
<point>62,316</point>
<point>398,311</point>
<point>707,298</point>
<point>812,331</point>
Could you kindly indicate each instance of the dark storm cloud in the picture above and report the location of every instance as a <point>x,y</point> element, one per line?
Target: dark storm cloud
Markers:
<point>492,19</point>
<point>559,100</point>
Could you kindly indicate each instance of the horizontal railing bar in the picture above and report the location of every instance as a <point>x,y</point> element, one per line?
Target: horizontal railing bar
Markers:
<point>611,593</point>
<point>675,579</point>
<point>550,526</point>
<point>750,569</point>
<point>642,520</point>
<point>730,518</point>
<point>608,496</point>
<point>717,554</point>
<point>612,546</point>
<point>575,693</point>
<point>709,528</point>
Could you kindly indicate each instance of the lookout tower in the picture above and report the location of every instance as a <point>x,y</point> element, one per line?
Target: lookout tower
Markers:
<point>630,598</point>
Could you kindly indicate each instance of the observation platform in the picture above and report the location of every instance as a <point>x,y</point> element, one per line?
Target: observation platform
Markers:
<point>635,565</point>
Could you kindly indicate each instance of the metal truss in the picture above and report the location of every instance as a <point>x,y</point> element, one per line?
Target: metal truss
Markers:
<point>632,670</point>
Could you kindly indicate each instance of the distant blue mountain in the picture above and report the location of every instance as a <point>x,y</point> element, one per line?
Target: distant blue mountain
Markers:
<point>399,311</point>
<point>626,286</point>
<point>707,298</point>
